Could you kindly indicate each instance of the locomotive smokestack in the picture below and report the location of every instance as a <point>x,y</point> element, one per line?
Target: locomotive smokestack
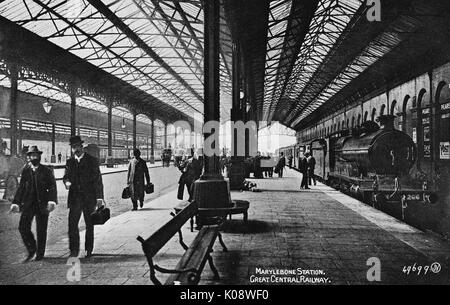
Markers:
<point>386,122</point>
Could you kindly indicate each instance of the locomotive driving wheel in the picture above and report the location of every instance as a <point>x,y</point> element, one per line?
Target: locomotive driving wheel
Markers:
<point>11,187</point>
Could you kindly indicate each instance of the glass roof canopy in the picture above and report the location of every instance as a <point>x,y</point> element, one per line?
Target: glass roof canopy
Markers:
<point>157,46</point>
<point>164,59</point>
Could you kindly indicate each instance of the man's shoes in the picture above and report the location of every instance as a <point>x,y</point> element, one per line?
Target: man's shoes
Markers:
<point>134,209</point>
<point>74,254</point>
<point>30,256</point>
<point>39,257</point>
<point>88,254</point>
<point>142,205</point>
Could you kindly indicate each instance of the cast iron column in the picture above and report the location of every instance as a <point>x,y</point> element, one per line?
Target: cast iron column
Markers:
<point>236,172</point>
<point>165,135</point>
<point>134,130</point>
<point>152,134</point>
<point>13,113</point>
<point>53,157</point>
<point>211,77</point>
<point>73,110</point>
<point>211,191</point>
<point>110,137</point>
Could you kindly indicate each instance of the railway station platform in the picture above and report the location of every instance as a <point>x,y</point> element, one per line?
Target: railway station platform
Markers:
<point>331,237</point>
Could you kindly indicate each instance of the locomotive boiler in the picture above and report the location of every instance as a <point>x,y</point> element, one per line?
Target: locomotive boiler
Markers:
<point>372,163</point>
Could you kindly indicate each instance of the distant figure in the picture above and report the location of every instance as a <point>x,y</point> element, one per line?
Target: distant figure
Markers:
<point>137,171</point>
<point>290,161</point>
<point>280,165</point>
<point>303,167</point>
<point>35,198</point>
<point>191,170</point>
<point>59,157</point>
<point>257,166</point>
<point>311,165</point>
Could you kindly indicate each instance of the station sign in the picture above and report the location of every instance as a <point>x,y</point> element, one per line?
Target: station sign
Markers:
<point>445,106</point>
<point>444,150</point>
<point>426,111</point>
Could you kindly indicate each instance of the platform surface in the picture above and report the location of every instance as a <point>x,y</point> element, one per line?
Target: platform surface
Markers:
<point>328,237</point>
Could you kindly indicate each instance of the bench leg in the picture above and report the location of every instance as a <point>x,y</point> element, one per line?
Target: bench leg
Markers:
<point>152,274</point>
<point>213,268</point>
<point>222,243</point>
<point>180,239</point>
<point>245,216</point>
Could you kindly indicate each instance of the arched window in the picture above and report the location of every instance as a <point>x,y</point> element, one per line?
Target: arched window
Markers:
<point>353,122</point>
<point>374,114</point>
<point>422,131</point>
<point>393,105</point>
<point>366,115</point>
<point>359,120</point>
<point>382,109</point>
<point>404,123</point>
<point>348,123</point>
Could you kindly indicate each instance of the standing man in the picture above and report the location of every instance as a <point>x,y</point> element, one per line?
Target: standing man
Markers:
<point>59,157</point>
<point>303,167</point>
<point>311,165</point>
<point>35,197</point>
<point>281,164</point>
<point>83,179</point>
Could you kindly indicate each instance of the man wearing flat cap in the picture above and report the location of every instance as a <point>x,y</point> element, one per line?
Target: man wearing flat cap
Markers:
<point>83,179</point>
<point>35,197</point>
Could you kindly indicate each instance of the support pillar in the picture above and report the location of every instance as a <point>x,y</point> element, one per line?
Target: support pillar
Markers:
<point>53,156</point>
<point>211,191</point>
<point>165,135</point>
<point>73,113</point>
<point>13,113</point>
<point>20,137</point>
<point>236,172</point>
<point>152,151</point>
<point>134,130</point>
<point>110,136</point>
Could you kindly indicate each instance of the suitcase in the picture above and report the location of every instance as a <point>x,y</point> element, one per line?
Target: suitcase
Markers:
<point>100,216</point>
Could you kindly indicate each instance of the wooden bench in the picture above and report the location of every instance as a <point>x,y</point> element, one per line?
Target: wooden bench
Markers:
<point>191,264</point>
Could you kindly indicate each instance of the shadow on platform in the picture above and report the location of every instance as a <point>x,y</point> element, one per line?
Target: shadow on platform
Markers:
<point>252,226</point>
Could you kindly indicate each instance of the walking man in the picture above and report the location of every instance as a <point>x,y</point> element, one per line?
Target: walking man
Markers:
<point>83,179</point>
<point>137,171</point>
<point>35,198</point>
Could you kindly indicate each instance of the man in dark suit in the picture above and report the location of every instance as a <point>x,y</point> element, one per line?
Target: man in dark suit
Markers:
<point>35,197</point>
<point>303,166</point>
<point>83,179</point>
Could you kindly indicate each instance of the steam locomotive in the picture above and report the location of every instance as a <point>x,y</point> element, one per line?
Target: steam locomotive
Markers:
<point>372,163</point>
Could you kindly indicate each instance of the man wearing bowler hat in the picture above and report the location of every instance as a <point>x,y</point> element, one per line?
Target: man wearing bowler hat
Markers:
<point>35,197</point>
<point>83,179</point>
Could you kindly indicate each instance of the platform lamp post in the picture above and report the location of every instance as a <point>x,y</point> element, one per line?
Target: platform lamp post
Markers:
<point>48,108</point>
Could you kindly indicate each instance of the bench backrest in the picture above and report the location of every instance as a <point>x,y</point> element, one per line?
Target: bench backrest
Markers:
<point>157,240</point>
